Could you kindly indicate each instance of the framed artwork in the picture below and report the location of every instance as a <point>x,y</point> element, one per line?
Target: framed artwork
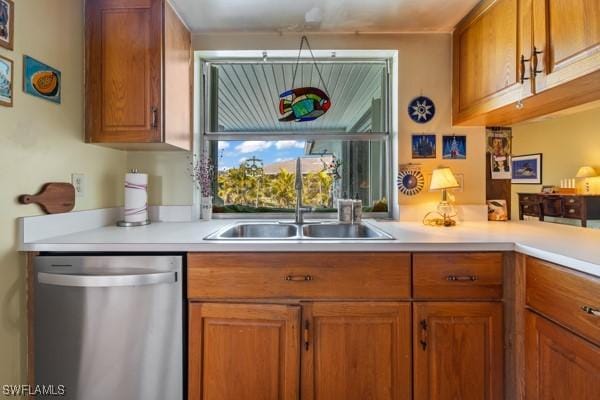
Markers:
<point>454,147</point>
<point>41,80</point>
<point>497,210</point>
<point>6,82</point>
<point>423,145</point>
<point>7,21</point>
<point>527,169</point>
<point>501,166</point>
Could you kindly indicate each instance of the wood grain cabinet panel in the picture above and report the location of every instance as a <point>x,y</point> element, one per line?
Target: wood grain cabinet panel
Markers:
<point>299,275</point>
<point>567,32</point>
<point>128,42</point>
<point>458,351</point>
<point>356,351</point>
<point>243,352</point>
<point>457,275</point>
<point>558,364</point>
<point>565,296</point>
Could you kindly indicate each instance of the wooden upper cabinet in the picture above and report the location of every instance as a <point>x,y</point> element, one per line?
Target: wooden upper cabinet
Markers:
<point>488,45</point>
<point>138,75</point>
<point>542,53</point>
<point>558,364</point>
<point>458,351</point>
<point>356,351</point>
<point>567,32</point>
<point>243,352</point>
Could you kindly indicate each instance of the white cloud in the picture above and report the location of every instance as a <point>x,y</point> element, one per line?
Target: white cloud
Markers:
<point>223,145</point>
<point>289,144</point>
<point>251,146</point>
<point>241,160</point>
<point>283,159</point>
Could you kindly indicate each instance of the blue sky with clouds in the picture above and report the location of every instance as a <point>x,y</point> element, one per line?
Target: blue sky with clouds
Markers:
<point>232,153</point>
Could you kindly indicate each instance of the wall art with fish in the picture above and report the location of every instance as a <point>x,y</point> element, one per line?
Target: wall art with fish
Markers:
<point>41,80</point>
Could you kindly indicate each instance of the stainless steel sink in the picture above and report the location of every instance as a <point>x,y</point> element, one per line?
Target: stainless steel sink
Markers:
<point>342,231</point>
<point>289,231</point>
<point>257,230</point>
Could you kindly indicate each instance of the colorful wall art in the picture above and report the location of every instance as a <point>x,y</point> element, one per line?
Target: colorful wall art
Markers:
<point>423,146</point>
<point>421,109</point>
<point>7,20</point>
<point>6,82</point>
<point>454,147</point>
<point>41,80</point>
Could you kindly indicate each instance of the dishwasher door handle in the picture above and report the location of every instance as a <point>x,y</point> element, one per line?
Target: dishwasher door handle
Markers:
<point>81,280</point>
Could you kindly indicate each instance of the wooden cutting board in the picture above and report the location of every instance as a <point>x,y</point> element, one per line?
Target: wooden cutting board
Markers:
<point>54,198</point>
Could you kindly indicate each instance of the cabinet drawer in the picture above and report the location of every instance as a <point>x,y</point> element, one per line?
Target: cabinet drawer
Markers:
<point>571,201</point>
<point>531,209</point>
<point>529,198</point>
<point>572,211</point>
<point>457,275</point>
<point>565,296</point>
<point>299,275</point>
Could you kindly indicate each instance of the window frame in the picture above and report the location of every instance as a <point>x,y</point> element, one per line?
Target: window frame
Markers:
<point>207,135</point>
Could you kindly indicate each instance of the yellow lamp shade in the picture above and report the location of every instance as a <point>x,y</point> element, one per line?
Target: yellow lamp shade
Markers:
<point>443,178</point>
<point>586,172</point>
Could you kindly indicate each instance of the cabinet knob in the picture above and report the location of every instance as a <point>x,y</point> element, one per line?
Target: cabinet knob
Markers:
<point>590,310</point>
<point>461,278</point>
<point>298,278</point>
<point>571,211</point>
<point>154,122</point>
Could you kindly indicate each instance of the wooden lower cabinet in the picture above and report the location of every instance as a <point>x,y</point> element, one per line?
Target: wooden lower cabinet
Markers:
<point>458,351</point>
<point>356,351</point>
<point>559,364</point>
<point>243,352</point>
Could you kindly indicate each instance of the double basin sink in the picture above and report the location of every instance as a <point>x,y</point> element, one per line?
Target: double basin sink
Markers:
<point>290,231</point>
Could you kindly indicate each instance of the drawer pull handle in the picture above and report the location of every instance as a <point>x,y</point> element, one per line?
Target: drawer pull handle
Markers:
<point>571,211</point>
<point>461,278</point>
<point>590,310</point>
<point>571,201</point>
<point>298,278</point>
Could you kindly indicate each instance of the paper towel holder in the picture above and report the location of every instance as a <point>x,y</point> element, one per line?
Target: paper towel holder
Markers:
<point>128,224</point>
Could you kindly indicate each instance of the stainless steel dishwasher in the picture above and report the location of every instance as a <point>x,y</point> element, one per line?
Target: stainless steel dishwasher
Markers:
<point>109,327</point>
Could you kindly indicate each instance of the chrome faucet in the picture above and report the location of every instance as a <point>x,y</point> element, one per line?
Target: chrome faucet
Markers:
<point>300,209</point>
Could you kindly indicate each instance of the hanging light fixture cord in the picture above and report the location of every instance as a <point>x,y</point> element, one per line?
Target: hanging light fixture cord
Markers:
<point>305,39</point>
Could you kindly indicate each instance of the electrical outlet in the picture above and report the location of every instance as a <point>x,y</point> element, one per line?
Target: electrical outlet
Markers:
<point>78,181</point>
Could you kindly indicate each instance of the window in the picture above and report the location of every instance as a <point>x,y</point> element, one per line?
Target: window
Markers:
<point>344,152</point>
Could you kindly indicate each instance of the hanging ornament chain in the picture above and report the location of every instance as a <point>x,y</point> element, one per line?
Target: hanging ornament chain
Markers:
<point>305,39</point>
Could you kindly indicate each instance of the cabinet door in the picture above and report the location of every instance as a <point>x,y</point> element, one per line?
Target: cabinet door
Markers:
<point>488,45</point>
<point>243,352</point>
<point>123,70</point>
<point>356,351</point>
<point>568,34</point>
<point>458,351</point>
<point>559,365</point>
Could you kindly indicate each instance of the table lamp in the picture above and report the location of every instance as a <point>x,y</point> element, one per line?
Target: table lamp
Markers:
<point>584,173</point>
<point>443,179</point>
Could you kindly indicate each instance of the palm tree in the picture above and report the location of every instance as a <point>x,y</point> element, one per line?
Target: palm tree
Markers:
<point>282,188</point>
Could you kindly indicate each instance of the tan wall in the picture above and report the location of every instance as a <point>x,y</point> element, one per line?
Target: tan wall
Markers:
<point>42,142</point>
<point>424,67</point>
<point>567,143</point>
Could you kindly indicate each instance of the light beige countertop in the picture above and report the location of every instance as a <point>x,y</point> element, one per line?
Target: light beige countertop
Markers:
<point>573,247</point>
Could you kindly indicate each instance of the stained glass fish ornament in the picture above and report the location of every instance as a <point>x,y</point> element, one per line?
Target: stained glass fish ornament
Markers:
<point>305,103</point>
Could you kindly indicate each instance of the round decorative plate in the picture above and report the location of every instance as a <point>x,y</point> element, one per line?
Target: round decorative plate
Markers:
<point>410,182</point>
<point>421,109</point>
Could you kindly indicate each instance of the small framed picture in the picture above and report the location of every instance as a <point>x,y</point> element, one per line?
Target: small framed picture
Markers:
<point>497,210</point>
<point>454,147</point>
<point>501,166</point>
<point>527,169</point>
<point>423,145</point>
<point>7,21</point>
<point>6,82</point>
<point>41,80</point>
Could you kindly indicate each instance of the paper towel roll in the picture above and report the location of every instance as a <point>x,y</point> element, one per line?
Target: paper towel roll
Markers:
<point>136,197</point>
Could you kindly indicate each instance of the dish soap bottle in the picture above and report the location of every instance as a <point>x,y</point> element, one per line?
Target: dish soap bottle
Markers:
<point>356,210</point>
<point>345,210</point>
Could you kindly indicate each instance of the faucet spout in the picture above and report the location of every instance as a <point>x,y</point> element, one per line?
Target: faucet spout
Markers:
<point>300,209</point>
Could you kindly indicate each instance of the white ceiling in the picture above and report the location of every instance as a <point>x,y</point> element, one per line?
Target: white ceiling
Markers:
<point>381,16</point>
